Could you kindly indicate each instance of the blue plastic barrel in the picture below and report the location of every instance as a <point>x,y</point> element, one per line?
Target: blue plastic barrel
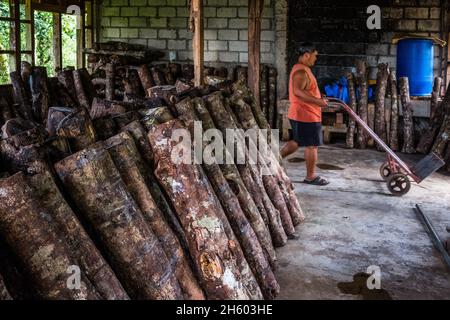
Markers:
<point>415,61</point>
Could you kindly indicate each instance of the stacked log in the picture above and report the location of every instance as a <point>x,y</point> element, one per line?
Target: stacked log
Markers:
<point>102,197</point>
<point>133,172</point>
<point>197,206</point>
<point>408,130</point>
<point>28,230</point>
<point>114,208</point>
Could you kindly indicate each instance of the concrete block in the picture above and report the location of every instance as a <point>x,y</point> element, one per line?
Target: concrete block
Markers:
<point>417,13</point>
<point>226,12</point>
<point>118,3</point>
<point>119,22</point>
<point>178,22</point>
<point>129,11</point>
<point>228,56</point>
<point>228,35</point>
<point>217,45</point>
<point>148,33</point>
<point>167,34</point>
<point>240,46</point>
<point>210,34</point>
<point>239,23</point>
<point>157,44</point>
<point>176,44</point>
<point>138,3</point>
<point>111,11</point>
<point>138,22</point>
<point>177,3</point>
<point>148,12</point>
<point>217,23</point>
<point>428,25</point>
<point>158,22</point>
<point>129,32</point>
<point>111,32</point>
<point>167,12</point>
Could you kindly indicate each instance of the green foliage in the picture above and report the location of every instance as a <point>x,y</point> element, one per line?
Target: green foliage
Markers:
<point>4,42</point>
<point>69,40</point>
<point>43,33</point>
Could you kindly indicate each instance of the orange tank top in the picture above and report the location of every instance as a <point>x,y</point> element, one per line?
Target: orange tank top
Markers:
<point>300,110</point>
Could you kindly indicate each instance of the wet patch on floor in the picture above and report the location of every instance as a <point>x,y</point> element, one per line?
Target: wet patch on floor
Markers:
<point>329,167</point>
<point>359,288</point>
<point>296,160</point>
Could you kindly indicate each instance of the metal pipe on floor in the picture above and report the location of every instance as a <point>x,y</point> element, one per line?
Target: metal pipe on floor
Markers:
<point>434,236</point>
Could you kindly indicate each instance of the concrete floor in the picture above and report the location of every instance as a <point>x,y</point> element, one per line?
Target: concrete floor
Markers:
<point>354,223</point>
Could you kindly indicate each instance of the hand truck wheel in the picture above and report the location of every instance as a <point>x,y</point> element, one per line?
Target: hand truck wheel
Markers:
<point>385,171</point>
<point>398,184</point>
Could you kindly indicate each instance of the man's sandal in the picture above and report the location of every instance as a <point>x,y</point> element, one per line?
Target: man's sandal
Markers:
<point>318,181</point>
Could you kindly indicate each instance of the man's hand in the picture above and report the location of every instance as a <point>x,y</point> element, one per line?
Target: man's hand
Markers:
<point>323,103</point>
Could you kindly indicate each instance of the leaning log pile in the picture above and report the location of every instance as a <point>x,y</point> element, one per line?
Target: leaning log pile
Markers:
<point>126,72</point>
<point>403,133</point>
<point>94,205</point>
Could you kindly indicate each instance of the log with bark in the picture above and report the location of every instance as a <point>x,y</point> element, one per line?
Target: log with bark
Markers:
<point>241,74</point>
<point>272,185</point>
<point>443,137</point>
<point>436,121</point>
<point>60,96</point>
<point>102,197</point>
<point>139,134</point>
<point>21,96</point>
<point>195,202</point>
<point>67,80</point>
<point>361,79</point>
<point>223,121</point>
<point>436,94</point>
<point>380,99</point>
<point>393,140</point>
<point>84,88</point>
<point>5,110</point>
<point>82,249</point>
<point>145,77</point>
<point>133,171</point>
<point>408,123</point>
<point>187,72</point>
<point>4,293</point>
<point>264,90</point>
<point>110,71</point>
<point>77,127</point>
<point>29,230</point>
<point>236,217</point>
<point>273,74</point>
<point>353,104</point>
<point>158,76</point>
<point>104,127</point>
<point>40,96</point>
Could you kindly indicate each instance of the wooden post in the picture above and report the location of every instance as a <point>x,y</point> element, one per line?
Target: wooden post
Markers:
<point>255,8</point>
<point>198,43</point>
<point>57,48</point>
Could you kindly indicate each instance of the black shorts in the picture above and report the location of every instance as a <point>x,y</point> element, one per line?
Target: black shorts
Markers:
<point>307,134</point>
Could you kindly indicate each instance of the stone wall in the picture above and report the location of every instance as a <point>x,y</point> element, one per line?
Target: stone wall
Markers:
<point>339,29</point>
<point>163,24</point>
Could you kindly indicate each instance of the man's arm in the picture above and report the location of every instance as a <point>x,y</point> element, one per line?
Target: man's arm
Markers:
<point>301,82</point>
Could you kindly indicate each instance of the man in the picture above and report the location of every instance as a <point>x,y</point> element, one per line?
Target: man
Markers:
<point>305,112</point>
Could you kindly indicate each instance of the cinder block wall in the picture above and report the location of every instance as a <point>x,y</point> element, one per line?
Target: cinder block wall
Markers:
<point>340,31</point>
<point>163,24</point>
